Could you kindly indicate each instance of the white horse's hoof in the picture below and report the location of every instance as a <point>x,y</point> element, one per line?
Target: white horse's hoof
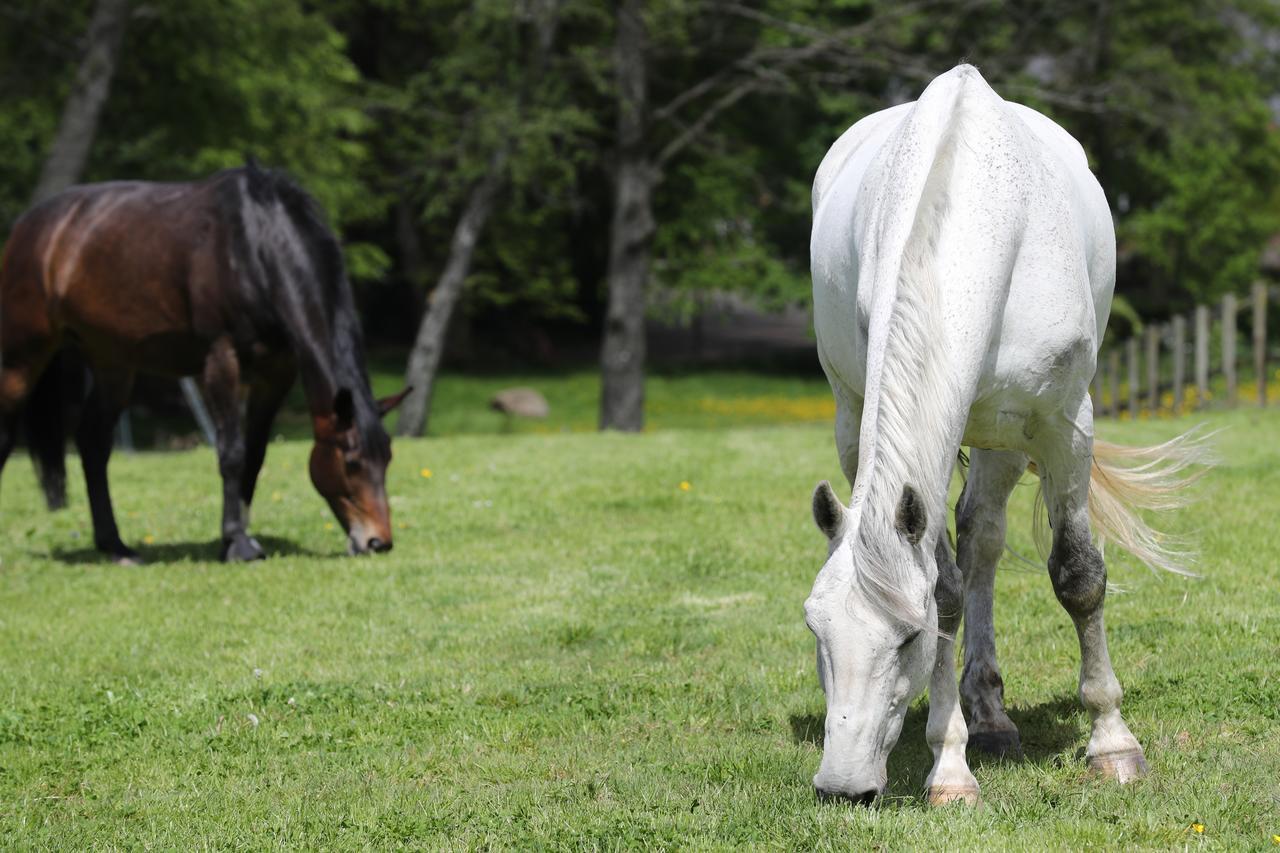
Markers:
<point>1122,766</point>
<point>945,795</point>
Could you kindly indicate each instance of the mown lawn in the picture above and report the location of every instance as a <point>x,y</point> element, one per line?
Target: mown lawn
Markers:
<point>567,649</point>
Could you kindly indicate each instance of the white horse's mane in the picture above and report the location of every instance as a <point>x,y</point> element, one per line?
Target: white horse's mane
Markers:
<point>909,395</point>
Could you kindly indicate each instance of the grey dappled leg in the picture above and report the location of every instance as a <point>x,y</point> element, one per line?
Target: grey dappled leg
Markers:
<point>950,780</point>
<point>1080,583</point>
<point>980,535</point>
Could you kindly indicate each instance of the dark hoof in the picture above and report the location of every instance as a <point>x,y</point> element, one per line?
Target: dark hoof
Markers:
<point>998,744</point>
<point>120,553</point>
<point>242,549</point>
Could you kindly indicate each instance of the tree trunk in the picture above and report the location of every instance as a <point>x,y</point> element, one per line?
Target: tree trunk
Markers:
<point>630,235</point>
<point>428,346</point>
<point>70,149</point>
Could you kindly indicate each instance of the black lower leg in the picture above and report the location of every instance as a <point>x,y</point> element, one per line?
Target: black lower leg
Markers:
<point>45,417</point>
<point>93,439</point>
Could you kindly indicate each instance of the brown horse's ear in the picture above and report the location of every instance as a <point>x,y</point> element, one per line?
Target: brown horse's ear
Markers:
<point>344,410</point>
<point>386,404</point>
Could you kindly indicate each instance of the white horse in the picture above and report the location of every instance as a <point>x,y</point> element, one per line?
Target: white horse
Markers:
<point>963,262</point>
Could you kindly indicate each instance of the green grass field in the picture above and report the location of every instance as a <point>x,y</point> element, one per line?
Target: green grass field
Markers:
<point>567,649</point>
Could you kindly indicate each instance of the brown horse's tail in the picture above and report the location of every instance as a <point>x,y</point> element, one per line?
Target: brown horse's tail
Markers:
<point>1125,480</point>
<point>45,417</point>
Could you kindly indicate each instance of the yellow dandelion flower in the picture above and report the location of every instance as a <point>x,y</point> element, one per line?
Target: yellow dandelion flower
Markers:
<point>402,526</point>
<point>1197,828</point>
<point>685,485</point>
<point>148,539</point>
<point>328,525</point>
<point>277,497</point>
<point>426,473</point>
<point>1275,839</point>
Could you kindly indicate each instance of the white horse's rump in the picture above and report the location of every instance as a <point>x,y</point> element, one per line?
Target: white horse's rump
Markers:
<point>963,261</point>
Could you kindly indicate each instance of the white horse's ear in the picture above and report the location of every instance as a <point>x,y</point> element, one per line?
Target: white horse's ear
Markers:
<point>911,520</point>
<point>828,512</point>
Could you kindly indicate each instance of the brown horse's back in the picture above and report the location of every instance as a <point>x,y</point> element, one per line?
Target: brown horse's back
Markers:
<point>128,271</point>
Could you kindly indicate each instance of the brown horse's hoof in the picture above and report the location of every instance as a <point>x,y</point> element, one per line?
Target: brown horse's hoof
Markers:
<point>1003,743</point>
<point>242,549</point>
<point>1122,766</point>
<point>120,553</point>
<point>945,795</point>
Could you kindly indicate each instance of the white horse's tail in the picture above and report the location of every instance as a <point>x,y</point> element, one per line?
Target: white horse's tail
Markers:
<point>1125,480</point>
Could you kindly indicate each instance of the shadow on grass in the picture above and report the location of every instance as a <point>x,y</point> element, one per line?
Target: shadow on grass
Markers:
<point>189,552</point>
<point>1047,730</point>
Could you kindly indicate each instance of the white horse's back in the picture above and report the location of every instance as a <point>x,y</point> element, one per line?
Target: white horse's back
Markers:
<point>1020,254</point>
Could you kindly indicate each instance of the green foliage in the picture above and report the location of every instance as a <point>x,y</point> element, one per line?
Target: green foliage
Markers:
<point>566,650</point>
<point>466,84</point>
<point>378,105</point>
<point>199,86</point>
<point>1216,207</point>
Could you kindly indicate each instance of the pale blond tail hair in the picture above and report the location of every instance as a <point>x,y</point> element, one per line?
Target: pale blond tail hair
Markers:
<point>1127,480</point>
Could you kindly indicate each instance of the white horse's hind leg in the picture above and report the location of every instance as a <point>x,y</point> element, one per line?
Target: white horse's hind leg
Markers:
<point>980,539</point>
<point>950,780</point>
<point>1080,583</point>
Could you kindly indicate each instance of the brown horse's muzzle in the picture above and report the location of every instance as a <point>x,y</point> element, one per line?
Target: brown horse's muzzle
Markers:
<point>370,532</point>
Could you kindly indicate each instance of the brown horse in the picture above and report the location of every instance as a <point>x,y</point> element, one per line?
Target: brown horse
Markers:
<point>235,279</point>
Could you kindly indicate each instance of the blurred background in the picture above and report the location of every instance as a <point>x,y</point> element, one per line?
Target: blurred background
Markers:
<point>608,202</point>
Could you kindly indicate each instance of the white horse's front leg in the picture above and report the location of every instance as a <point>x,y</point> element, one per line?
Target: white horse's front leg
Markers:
<point>1080,583</point>
<point>980,534</point>
<point>950,780</point>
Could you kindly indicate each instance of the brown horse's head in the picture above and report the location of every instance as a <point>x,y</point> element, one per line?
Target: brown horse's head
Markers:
<point>349,470</point>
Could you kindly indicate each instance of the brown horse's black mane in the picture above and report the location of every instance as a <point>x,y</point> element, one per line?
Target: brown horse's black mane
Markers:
<point>293,262</point>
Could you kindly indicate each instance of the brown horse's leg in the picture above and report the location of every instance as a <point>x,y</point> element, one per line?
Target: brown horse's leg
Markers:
<point>45,415</point>
<point>222,393</point>
<point>265,397</point>
<point>8,436</point>
<point>17,378</point>
<point>94,437</point>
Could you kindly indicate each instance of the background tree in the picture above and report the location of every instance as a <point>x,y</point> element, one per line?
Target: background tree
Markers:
<point>551,193</point>
<point>79,123</point>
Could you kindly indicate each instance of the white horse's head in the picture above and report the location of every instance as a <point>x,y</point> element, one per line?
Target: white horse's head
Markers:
<point>874,656</point>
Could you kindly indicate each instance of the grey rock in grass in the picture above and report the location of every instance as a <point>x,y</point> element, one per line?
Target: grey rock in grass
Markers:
<point>520,402</point>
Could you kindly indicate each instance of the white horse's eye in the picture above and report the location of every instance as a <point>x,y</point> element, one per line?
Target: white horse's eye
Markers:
<point>909,640</point>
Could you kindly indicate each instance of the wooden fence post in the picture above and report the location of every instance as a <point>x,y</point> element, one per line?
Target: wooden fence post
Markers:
<point>1131,353</point>
<point>1202,355</point>
<point>1229,346</point>
<point>1113,376</point>
<point>1179,360</point>
<point>1260,340</point>
<point>1153,367</point>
